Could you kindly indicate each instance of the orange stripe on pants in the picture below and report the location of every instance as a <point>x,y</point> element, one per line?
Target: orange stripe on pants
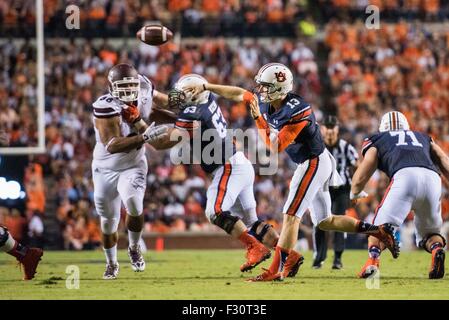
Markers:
<point>222,186</point>
<point>303,186</point>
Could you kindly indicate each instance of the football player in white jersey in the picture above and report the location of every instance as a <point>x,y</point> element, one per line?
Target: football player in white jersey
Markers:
<point>119,166</point>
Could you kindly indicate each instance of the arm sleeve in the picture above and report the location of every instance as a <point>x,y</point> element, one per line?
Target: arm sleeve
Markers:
<point>288,133</point>
<point>186,122</point>
<point>104,108</point>
<point>367,143</point>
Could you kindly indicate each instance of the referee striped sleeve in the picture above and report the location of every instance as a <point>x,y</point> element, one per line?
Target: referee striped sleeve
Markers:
<point>352,155</point>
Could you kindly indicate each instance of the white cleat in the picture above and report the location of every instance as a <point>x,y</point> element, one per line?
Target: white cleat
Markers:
<point>136,257</point>
<point>111,271</point>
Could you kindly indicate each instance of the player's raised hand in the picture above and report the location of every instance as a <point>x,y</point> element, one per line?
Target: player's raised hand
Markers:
<point>130,114</point>
<point>193,90</point>
<point>153,133</point>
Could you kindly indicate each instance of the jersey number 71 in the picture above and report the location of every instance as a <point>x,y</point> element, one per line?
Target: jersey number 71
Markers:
<point>401,138</point>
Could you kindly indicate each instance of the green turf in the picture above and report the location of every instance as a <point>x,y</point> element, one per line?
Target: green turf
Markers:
<point>201,274</point>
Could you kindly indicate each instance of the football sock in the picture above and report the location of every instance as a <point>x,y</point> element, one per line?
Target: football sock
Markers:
<point>367,228</point>
<point>12,247</point>
<point>338,255</point>
<point>247,239</point>
<point>280,256</point>
<point>435,246</point>
<point>374,252</point>
<point>111,255</point>
<point>134,238</point>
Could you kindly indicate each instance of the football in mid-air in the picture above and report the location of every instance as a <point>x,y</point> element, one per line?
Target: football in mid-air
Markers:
<point>154,34</point>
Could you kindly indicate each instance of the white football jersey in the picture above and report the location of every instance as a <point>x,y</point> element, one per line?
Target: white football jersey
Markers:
<point>107,106</point>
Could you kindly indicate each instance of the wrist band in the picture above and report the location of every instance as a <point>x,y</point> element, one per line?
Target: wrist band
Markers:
<point>137,119</point>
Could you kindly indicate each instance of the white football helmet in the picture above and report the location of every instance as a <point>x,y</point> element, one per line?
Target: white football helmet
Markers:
<point>124,83</point>
<point>189,80</point>
<point>392,121</point>
<point>274,81</point>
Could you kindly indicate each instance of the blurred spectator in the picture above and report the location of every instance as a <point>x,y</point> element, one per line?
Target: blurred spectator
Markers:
<point>36,230</point>
<point>15,223</point>
<point>34,187</point>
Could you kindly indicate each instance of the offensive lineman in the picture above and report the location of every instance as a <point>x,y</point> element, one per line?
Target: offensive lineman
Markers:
<point>119,166</point>
<point>411,160</point>
<point>230,198</point>
<point>286,120</point>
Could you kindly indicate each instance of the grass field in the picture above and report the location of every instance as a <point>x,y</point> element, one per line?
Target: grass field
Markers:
<point>201,274</point>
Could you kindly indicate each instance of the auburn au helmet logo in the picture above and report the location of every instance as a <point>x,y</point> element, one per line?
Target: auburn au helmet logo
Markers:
<point>280,76</point>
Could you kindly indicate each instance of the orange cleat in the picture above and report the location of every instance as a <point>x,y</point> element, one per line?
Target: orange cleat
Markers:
<point>386,235</point>
<point>370,268</point>
<point>292,264</point>
<point>267,275</point>
<point>256,253</point>
<point>437,267</point>
<point>30,262</point>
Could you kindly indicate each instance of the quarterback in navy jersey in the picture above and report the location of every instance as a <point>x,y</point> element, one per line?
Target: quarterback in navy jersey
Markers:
<point>230,196</point>
<point>286,122</point>
<point>411,160</point>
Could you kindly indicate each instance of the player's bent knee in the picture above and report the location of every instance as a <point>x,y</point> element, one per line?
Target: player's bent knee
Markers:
<point>109,225</point>
<point>225,221</point>
<point>134,206</point>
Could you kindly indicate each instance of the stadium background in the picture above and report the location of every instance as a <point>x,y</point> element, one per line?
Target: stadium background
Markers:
<point>340,66</point>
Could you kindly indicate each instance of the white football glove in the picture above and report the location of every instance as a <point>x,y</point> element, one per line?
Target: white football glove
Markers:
<point>154,132</point>
<point>361,194</point>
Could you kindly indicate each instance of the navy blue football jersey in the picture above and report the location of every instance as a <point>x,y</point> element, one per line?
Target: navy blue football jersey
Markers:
<point>213,130</point>
<point>400,149</point>
<point>309,142</point>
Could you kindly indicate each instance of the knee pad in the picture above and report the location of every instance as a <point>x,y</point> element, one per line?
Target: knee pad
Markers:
<point>263,229</point>
<point>423,242</point>
<point>225,221</point>
<point>109,225</point>
<point>134,206</point>
<point>4,235</point>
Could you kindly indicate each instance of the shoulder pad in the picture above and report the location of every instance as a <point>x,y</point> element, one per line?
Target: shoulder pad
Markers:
<point>106,106</point>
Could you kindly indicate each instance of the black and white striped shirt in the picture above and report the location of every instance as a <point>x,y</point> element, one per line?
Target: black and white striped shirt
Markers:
<point>346,156</point>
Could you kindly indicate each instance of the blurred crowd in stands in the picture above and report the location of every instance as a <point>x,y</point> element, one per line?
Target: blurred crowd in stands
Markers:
<point>403,66</point>
<point>206,17</point>
<point>18,98</point>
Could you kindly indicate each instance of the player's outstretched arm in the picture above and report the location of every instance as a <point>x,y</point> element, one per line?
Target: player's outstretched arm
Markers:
<point>160,99</point>
<point>229,92</point>
<point>109,131</point>
<point>440,158</point>
<point>166,142</point>
<point>364,171</point>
